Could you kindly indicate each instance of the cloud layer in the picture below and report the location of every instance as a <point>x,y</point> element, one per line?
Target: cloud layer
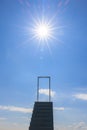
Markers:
<point>2,118</point>
<point>59,108</point>
<point>16,109</point>
<point>75,126</point>
<point>81,96</point>
<point>46,92</point>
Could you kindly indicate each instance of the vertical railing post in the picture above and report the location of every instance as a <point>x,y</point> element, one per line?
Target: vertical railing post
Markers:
<point>38,89</point>
<point>49,89</point>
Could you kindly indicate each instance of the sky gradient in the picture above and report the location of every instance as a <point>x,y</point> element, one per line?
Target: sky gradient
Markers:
<point>23,58</point>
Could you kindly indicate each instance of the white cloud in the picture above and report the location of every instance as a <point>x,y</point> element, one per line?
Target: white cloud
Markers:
<point>81,96</point>
<point>76,126</point>
<point>80,125</point>
<point>16,109</point>
<point>59,108</point>
<point>2,118</point>
<point>46,92</point>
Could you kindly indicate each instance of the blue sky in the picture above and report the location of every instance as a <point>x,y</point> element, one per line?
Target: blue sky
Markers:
<point>23,58</point>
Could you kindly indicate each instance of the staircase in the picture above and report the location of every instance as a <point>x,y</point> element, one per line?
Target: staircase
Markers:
<point>42,116</point>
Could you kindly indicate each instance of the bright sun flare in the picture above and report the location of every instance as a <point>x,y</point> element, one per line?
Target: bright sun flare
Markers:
<point>42,31</point>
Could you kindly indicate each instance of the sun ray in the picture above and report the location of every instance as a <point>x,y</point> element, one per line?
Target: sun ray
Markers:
<point>44,32</point>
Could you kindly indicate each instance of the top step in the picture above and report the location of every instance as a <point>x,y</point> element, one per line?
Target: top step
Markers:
<point>42,104</point>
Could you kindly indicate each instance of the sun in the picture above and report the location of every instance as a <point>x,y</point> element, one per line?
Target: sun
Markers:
<point>42,31</point>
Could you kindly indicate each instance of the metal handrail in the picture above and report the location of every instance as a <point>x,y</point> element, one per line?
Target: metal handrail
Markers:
<point>38,79</point>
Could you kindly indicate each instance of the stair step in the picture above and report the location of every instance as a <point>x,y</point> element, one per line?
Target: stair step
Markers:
<point>42,117</point>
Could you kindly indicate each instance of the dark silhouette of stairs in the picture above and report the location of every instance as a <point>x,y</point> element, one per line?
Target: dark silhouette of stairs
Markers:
<point>42,116</point>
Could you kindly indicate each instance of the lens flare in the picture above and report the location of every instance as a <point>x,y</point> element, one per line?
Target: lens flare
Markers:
<point>42,31</point>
